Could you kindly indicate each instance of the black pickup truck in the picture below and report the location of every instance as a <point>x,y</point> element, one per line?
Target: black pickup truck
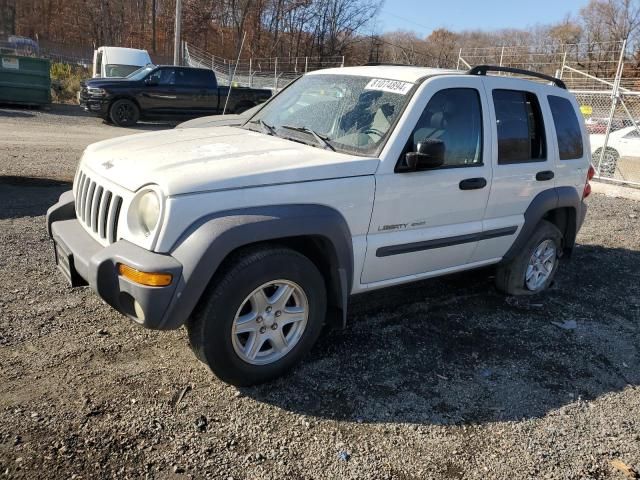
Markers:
<point>164,92</point>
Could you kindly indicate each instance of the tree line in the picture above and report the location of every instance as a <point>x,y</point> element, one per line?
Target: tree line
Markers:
<point>296,28</point>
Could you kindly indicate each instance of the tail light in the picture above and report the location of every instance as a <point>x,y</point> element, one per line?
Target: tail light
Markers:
<point>587,186</point>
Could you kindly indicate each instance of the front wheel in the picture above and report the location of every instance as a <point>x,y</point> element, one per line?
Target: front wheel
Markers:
<point>124,113</point>
<point>534,268</point>
<point>259,316</point>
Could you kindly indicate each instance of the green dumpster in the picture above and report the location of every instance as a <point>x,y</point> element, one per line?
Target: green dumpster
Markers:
<point>24,80</point>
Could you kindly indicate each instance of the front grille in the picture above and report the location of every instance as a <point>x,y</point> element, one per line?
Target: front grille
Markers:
<point>97,208</point>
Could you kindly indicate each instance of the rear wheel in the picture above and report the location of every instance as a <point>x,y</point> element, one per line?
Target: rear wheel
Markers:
<point>609,161</point>
<point>260,316</point>
<point>534,268</point>
<point>124,113</point>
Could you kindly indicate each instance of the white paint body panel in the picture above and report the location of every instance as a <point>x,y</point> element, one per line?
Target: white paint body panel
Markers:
<point>192,160</point>
<point>624,141</point>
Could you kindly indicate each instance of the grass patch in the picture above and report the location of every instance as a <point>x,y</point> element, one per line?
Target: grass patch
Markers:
<point>65,82</point>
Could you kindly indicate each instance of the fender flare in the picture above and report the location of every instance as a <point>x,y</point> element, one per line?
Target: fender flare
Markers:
<point>544,202</point>
<point>207,242</point>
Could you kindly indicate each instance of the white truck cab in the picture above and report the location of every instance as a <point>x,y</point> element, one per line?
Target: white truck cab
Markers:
<point>348,180</point>
<point>118,61</point>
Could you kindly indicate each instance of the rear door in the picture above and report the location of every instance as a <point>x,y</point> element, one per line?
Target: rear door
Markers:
<point>199,91</point>
<point>524,158</point>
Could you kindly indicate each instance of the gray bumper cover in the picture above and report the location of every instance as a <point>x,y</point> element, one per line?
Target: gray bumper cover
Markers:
<point>98,266</point>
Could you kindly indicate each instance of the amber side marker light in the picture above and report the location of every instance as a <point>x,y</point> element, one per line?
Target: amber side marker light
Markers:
<point>144,278</point>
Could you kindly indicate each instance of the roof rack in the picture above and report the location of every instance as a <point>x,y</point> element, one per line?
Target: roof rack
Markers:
<point>382,64</point>
<point>483,69</point>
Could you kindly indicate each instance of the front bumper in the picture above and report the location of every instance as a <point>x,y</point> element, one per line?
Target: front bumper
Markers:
<point>97,105</point>
<point>86,262</point>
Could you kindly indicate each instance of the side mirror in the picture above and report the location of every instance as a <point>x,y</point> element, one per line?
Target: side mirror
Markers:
<point>150,82</point>
<point>429,154</point>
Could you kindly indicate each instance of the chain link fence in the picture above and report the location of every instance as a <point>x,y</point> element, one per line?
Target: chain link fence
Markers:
<point>609,100</point>
<point>273,73</point>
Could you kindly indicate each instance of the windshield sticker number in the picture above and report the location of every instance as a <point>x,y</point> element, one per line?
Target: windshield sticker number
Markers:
<point>391,86</point>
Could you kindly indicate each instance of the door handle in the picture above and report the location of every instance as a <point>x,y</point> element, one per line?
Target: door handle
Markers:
<point>473,183</point>
<point>544,176</point>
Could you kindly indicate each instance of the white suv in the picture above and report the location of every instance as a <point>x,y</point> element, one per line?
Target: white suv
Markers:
<point>349,180</point>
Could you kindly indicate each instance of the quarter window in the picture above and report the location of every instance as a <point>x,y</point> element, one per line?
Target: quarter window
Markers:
<point>453,116</point>
<point>520,127</point>
<point>567,128</point>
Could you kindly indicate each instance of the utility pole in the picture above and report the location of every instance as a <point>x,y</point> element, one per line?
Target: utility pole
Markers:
<point>176,32</point>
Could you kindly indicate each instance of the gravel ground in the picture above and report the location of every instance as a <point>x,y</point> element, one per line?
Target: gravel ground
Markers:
<point>441,379</point>
<point>48,143</point>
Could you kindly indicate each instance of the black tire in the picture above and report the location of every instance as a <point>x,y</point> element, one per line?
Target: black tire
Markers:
<point>210,328</point>
<point>243,107</point>
<point>510,277</point>
<point>609,161</point>
<point>124,113</point>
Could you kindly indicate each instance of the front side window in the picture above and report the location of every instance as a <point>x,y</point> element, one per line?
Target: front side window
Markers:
<point>453,117</point>
<point>567,128</point>
<point>520,127</point>
<point>347,113</point>
<point>632,134</point>
<point>164,76</point>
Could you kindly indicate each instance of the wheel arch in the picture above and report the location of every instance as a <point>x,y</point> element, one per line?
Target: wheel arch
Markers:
<point>124,96</point>
<point>319,232</point>
<point>562,206</point>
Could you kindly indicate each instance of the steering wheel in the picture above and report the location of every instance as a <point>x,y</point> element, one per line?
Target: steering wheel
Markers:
<point>374,131</point>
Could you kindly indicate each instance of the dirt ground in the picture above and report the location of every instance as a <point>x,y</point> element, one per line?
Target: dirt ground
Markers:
<point>442,379</point>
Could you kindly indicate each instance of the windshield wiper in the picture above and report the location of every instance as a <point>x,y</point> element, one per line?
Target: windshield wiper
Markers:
<point>323,141</point>
<point>266,128</point>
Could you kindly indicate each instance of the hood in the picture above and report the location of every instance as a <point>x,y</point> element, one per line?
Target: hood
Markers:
<point>193,160</point>
<point>109,82</point>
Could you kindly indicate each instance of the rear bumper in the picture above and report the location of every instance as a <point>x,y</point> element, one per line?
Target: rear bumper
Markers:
<point>87,262</point>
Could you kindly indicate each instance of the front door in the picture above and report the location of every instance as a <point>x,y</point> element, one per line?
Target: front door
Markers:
<point>431,220</point>
<point>159,96</point>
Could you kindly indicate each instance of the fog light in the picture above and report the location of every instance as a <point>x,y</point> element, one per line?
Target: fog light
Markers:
<point>145,278</point>
<point>139,311</point>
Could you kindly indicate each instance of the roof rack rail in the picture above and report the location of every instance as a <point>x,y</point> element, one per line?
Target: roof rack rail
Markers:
<point>483,69</point>
<point>383,64</point>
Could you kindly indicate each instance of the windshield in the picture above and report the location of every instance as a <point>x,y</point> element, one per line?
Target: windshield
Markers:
<point>351,114</point>
<point>140,73</point>
<point>114,70</point>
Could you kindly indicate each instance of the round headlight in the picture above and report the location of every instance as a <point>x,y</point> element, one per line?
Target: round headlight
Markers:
<point>148,212</point>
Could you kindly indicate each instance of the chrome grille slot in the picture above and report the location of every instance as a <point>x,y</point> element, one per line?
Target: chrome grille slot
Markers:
<point>87,207</point>
<point>95,208</point>
<point>98,208</point>
<point>112,219</point>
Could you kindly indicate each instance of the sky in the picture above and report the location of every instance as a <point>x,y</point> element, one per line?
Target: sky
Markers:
<point>423,16</point>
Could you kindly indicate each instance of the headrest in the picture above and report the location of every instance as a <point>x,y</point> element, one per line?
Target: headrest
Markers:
<point>437,121</point>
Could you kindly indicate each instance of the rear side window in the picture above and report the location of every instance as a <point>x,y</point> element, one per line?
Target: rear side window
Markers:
<point>567,128</point>
<point>520,127</point>
<point>198,77</point>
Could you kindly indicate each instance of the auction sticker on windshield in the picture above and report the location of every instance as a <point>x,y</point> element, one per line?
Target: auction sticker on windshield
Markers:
<point>391,86</point>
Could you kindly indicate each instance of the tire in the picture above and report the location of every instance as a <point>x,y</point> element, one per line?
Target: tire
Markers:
<point>609,161</point>
<point>124,113</point>
<point>515,278</point>
<point>231,295</point>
